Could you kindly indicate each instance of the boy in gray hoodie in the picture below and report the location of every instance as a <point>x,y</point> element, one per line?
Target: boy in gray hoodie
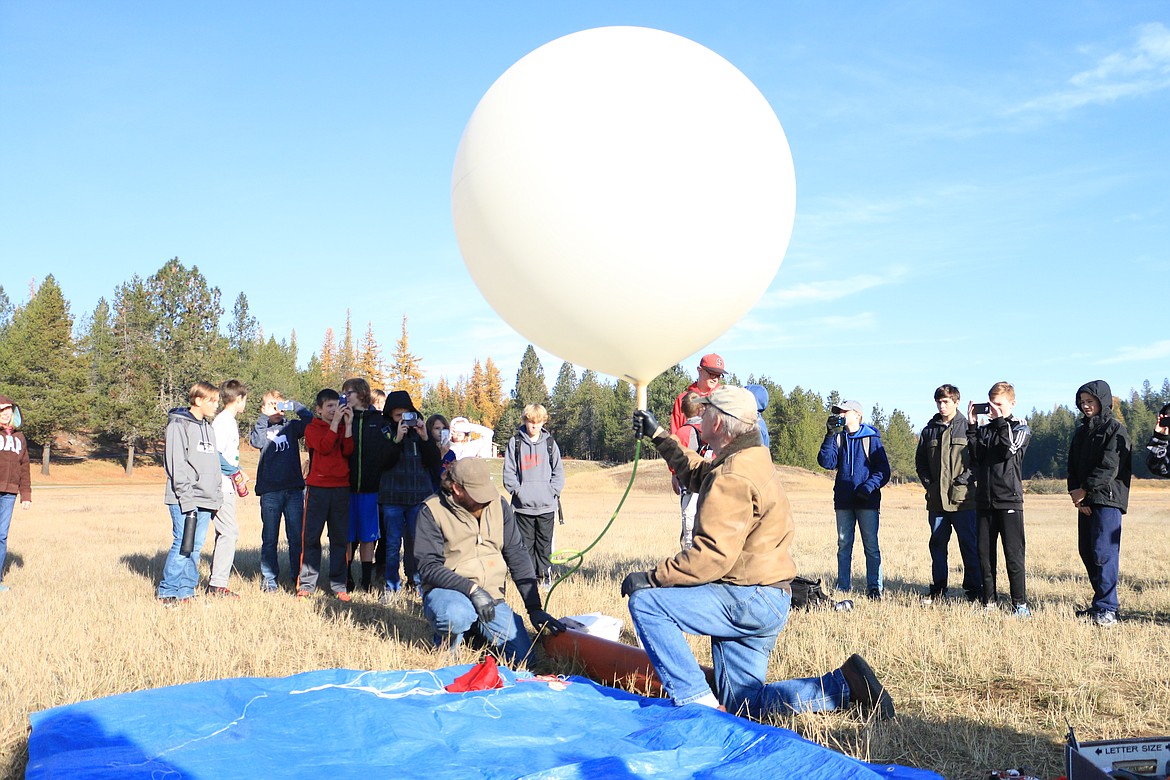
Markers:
<point>193,491</point>
<point>535,477</point>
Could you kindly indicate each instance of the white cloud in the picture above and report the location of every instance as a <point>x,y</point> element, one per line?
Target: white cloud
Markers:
<point>1139,69</point>
<point>1159,350</point>
<point>829,289</point>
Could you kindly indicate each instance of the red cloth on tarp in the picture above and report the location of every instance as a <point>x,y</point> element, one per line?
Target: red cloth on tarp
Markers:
<point>484,676</point>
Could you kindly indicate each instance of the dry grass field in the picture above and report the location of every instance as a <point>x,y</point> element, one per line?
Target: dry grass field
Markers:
<point>974,691</point>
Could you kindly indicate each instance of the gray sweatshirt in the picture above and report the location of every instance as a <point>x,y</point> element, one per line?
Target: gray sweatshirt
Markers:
<point>192,463</point>
<point>536,480</point>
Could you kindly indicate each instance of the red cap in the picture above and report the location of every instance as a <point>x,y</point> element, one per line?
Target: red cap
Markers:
<point>713,363</point>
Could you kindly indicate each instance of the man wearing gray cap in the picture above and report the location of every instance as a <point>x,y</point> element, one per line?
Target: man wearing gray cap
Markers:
<point>466,542</point>
<point>733,584</point>
<point>855,451</point>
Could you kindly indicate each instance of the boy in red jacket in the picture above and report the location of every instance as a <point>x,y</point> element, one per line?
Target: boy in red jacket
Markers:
<point>327,499</point>
<point>14,473</point>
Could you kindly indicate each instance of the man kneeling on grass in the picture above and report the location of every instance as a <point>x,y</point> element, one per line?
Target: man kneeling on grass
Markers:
<point>734,583</point>
<point>466,542</point>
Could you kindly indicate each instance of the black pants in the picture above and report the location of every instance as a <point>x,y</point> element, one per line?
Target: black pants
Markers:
<point>1008,525</point>
<point>537,532</point>
<point>325,508</point>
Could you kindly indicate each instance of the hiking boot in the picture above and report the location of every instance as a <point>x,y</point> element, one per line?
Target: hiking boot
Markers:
<point>270,587</point>
<point>304,594</point>
<point>215,590</point>
<point>864,689</point>
<point>874,595</point>
<point>343,596</point>
<point>934,596</point>
<point>169,602</point>
<point>1105,618</point>
<point>1022,611</point>
<point>1088,612</point>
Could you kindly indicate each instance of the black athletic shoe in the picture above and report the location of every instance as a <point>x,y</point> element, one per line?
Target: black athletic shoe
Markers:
<point>864,689</point>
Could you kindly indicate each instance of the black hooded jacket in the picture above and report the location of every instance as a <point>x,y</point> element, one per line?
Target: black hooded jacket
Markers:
<point>1099,457</point>
<point>1156,451</point>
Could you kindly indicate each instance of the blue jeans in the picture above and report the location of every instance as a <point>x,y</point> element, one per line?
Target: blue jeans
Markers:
<point>867,521</point>
<point>963,523</point>
<point>291,505</point>
<point>451,615</point>
<point>398,521</point>
<point>1099,540</point>
<point>7,503</point>
<point>742,621</point>
<point>180,573</point>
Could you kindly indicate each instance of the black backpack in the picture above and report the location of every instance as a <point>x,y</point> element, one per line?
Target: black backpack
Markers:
<point>808,594</point>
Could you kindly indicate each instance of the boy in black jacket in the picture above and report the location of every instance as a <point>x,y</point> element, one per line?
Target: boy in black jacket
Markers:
<point>997,450</point>
<point>1156,457</point>
<point>1099,463</point>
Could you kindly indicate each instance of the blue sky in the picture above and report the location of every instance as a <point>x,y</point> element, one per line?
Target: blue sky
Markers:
<point>983,189</point>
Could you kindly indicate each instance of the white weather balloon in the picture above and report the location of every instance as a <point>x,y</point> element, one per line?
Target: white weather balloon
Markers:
<point>613,166</point>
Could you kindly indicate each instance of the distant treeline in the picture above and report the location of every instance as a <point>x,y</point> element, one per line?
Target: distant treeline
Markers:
<point>116,371</point>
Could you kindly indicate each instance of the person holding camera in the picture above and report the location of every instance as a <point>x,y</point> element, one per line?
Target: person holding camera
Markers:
<point>329,439</point>
<point>366,462</point>
<point>997,453</point>
<point>944,469</point>
<point>1099,466</point>
<point>1156,458</point>
<point>280,483</point>
<point>411,470</point>
<point>735,583</point>
<point>855,450</point>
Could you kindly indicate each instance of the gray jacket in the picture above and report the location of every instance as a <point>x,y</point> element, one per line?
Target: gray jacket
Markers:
<point>192,463</point>
<point>537,479</point>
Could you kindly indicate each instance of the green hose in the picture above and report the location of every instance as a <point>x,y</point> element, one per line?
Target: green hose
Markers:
<point>575,557</point>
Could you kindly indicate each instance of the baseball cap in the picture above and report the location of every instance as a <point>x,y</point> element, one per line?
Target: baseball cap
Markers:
<point>736,401</point>
<point>713,363</point>
<point>846,406</point>
<point>472,475</point>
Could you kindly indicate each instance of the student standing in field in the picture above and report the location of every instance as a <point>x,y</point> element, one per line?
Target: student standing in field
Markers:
<point>194,489</point>
<point>855,450</point>
<point>329,438</point>
<point>1099,464</point>
<point>997,452</point>
<point>412,468</point>
<point>534,476</point>
<point>280,483</point>
<point>690,435</point>
<point>1156,451</point>
<point>233,396</point>
<point>15,477</point>
<point>366,463</point>
<point>944,469</point>
<point>440,433</point>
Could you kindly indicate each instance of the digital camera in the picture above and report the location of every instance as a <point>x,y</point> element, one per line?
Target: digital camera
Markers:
<point>837,420</point>
<point>284,406</point>
<point>409,417</point>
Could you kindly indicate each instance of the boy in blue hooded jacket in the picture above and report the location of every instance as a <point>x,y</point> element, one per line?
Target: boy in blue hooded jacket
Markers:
<point>855,450</point>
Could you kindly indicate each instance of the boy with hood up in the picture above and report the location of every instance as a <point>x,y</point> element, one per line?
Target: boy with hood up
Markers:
<point>761,395</point>
<point>1098,483</point>
<point>193,492</point>
<point>1156,451</point>
<point>855,450</point>
<point>14,473</point>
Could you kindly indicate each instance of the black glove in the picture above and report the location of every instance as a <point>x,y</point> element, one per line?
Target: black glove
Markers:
<point>645,424</point>
<point>188,544</point>
<point>485,605</point>
<point>542,621</point>
<point>636,581</point>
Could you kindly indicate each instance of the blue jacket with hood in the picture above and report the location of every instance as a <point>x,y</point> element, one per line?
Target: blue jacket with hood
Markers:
<point>859,478</point>
<point>761,394</point>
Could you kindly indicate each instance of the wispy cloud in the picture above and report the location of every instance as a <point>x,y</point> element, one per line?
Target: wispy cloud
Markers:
<point>1159,350</point>
<point>1138,69</point>
<point>829,289</point>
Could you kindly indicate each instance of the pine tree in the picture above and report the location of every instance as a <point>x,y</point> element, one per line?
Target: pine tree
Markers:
<point>369,361</point>
<point>187,331</point>
<point>406,372</point>
<point>663,390</point>
<point>243,331</point>
<point>800,428</point>
<point>6,310</point>
<point>329,367</point>
<point>493,394</point>
<point>560,403</point>
<point>138,409</point>
<point>618,432</point>
<point>900,444</point>
<point>346,354</point>
<point>97,351</point>
<point>39,368</point>
<point>590,406</point>
<point>476,392</point>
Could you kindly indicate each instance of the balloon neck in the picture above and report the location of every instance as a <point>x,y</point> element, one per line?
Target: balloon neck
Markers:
<point>640,390</point>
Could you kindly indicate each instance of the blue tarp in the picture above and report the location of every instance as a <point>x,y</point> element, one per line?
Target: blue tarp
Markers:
<point>347,724</point>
